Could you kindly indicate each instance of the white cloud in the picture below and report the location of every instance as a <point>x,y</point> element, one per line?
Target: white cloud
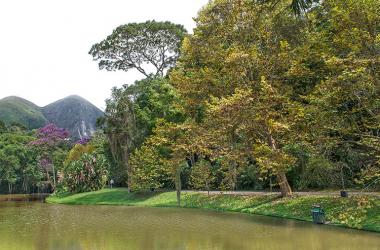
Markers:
<point>44,44</point>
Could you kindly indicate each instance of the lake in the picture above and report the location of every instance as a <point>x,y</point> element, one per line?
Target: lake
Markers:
<point>35,225</point>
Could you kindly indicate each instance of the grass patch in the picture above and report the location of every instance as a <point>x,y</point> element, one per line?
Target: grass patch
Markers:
<point>355,212</point>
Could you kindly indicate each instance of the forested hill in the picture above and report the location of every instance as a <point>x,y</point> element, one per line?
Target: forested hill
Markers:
<point>73,113</point>
<point>14,109</point>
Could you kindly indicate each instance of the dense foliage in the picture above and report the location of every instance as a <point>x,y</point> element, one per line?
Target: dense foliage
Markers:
<point>131,115</point>
<point>88,173</point>
<point>270,93</point>
<point>19,168</point>
<point>29,159</point>
<point>86,167</point>
<point>45,160</point>
<point>140,46</point>
<point>264,94</point>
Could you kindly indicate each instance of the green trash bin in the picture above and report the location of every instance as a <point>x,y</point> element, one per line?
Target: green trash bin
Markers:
<point>318,214</point>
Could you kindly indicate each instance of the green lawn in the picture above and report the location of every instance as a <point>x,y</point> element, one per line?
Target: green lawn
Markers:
<point>355,212</point>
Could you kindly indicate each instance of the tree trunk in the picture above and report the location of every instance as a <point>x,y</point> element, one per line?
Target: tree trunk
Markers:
<point>285,188</point>
<point>178,186</point>
<point>233,175</point>
<point>25,185</point>
<point>48,180</point>
<point>54,182</point>
<point>232,163</point>
<point>270,184</point>
<point>342,177</point>
<point>129,171</point>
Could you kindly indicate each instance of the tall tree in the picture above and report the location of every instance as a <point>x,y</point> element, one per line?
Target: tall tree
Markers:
<point>140,46</point>
<point>253,124</point>
<point>344,110</point>
<point>132,113</point>
<point>120,127</point>
<point>239,46</point>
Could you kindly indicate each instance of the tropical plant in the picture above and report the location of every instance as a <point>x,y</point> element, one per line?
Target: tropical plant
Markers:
<point>88,173</point>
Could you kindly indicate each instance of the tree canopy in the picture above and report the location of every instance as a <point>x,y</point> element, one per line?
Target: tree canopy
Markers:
<point>150,47</point>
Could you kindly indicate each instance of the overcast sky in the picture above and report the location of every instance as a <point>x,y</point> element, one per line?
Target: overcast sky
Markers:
<point>44,44</point>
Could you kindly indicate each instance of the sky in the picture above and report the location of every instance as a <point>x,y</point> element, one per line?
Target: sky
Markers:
<point>44,44</point>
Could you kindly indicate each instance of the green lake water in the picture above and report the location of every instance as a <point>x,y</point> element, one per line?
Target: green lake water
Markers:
<point>34,225</point>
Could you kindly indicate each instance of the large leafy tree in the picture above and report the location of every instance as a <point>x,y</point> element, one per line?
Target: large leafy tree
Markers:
<point>132,113</point>
<point>262,87</point>
<point>320,75</point>
<point>344,110</point>
<point>231,51</point>
<point>120,127</point>
<point>252,124</point>
<point>151,48</point>
<point>153,99</point>
<point>141,46</point>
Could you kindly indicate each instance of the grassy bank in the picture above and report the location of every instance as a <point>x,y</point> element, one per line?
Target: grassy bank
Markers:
<point>354,212</point>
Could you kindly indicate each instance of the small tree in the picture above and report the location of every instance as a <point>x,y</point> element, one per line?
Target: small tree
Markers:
<point>201,175</point>
<point>148,167</point>
<point>48,139</point>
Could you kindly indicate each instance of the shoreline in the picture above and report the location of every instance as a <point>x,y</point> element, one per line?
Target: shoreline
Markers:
<point>24,197</point>
<point>357,212</point>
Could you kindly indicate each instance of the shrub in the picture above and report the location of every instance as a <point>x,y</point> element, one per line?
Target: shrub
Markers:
<point>88,173</point>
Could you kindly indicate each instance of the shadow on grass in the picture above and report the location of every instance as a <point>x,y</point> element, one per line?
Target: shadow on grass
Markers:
<point>227,202</point>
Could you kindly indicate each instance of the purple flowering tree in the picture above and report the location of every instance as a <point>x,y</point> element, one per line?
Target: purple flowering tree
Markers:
<point>51,135</point>
<point>48,139</point>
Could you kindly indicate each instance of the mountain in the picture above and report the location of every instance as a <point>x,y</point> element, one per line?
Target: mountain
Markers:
<point>15,109</point>
<point>74,113</point>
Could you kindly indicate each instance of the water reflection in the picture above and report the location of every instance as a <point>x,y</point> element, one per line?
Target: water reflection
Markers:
<point>42,226</point>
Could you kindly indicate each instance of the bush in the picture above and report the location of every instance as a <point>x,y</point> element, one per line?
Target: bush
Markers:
<point>88,173</point>
<point>320,173</point>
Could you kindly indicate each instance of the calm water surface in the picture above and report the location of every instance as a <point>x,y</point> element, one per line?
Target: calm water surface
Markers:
<point>33,225</point>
